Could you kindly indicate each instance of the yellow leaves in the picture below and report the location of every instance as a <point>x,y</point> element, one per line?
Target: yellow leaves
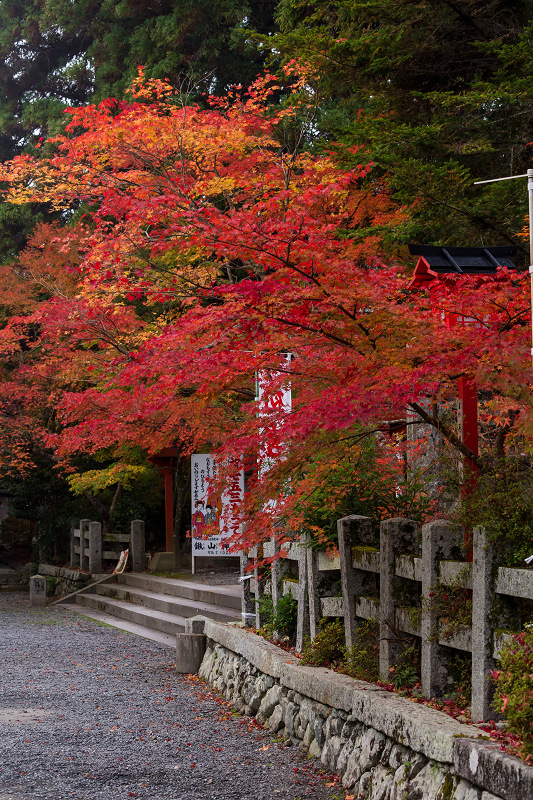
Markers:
<point>95,480</point>
<point>220,185</point>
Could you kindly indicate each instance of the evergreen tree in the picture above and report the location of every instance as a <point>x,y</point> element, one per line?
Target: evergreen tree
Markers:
<point>440,91</point>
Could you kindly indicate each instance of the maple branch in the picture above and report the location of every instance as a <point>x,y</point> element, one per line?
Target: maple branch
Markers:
<point>448,434</point>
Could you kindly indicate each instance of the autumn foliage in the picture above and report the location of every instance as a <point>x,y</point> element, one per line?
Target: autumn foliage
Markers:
<point>204,248</point>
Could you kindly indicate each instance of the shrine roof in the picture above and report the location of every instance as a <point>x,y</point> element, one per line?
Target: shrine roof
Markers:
<point>435,261</point>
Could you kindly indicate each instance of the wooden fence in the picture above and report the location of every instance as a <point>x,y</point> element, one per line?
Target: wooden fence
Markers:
<point>394,585</point>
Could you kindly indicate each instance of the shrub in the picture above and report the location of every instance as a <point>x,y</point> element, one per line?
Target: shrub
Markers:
<point>514,688</point>
<point>286,617</point>
<point>328,647</point>
<point>282,619</point>
<point>362,658</point>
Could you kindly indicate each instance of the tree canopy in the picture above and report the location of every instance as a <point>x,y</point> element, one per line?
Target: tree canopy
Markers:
<point>207,250</point>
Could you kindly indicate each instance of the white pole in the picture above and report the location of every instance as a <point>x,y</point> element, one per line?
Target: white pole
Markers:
<point>530,193</point>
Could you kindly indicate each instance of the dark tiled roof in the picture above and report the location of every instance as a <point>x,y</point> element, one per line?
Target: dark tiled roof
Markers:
<point>465,260</point>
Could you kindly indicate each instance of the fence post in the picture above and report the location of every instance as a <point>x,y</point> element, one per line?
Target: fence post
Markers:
<point>302,626</point>
<point>137,544</point>
<point>257,553</point>
<point>73,560</point>
<point>84,534</point>
<point>352,530</point>
<point>247,599</point>
<point>437,543</point>
<point>397,536</point>
<point>275,573</point>
<point>95,548</point>
<point>482,639</point>
<point>312,591</point>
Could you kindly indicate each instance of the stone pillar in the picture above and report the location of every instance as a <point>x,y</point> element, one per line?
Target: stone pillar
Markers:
<point>247,598</point>
<point>95,548</point>
<point>352,530</point>
<point>397,536</point>
<point>37,590</point>
<point>302,626</point>
<point>275,574</point>
<point>74,561</point>
<point>312,591</point>
<point>257,554</point>
<point>84,535</point>
<point>483,580</point>
<point>137,546</point>
<point>438,539</point>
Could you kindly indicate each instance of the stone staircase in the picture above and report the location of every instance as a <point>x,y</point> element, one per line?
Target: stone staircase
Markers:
<point>154,607</point>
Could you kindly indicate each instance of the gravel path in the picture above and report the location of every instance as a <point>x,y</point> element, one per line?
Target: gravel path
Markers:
<point>89,712</point>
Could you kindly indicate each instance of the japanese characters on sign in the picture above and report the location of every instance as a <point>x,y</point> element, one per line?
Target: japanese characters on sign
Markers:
<point>270,403</point>
<point>214,516</point>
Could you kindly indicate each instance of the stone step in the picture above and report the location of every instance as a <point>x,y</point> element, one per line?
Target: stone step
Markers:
<point>148,617</point>
<point>166,639</point>
<point>169,604</point>
<point>225,596</point>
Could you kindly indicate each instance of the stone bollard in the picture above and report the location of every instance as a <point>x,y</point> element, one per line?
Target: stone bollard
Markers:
<point>84,544</point>
<point>95,548</point>
<point>37,590</point>
<point>190,650</point>
<point>438,539</point>
<point>483,579</point>
<point>352,530</point>
<point>137,545</point>
<point>397,536</point>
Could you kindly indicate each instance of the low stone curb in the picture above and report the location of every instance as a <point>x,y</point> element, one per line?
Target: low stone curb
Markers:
<point>257,675</point>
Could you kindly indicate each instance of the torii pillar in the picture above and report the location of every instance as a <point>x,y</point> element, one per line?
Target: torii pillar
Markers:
<point>166,461</point>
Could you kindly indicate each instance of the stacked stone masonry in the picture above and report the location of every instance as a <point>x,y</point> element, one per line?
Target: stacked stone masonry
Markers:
<point>383,746</point>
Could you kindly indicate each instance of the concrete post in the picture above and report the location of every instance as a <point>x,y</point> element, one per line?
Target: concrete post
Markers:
<point>275,574</point>
<point>275,580</point>
<point>483,580</point>
<point>302,626</point>
<point>95,548</point>
<point>438,540</point>
<point>37,590</point>
<point>84,535</point>
<point>256,554</point>
<point>351,530</point>
<point>247,598</point>
<point>397,536</point>
<point>137,545</point>
<point>312,591</point>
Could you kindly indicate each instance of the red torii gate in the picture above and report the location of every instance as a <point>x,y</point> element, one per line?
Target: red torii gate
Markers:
<point>433,267</point>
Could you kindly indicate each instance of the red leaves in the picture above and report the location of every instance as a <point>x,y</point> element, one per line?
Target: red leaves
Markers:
<point>209,253</point>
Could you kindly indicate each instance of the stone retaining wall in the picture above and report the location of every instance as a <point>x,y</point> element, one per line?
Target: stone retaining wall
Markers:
<point>384,746</point>
<point>62,581</point>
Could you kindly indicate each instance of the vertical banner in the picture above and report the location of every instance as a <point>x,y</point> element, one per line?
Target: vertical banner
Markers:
<point>212,512</point>
<point>270,403</point>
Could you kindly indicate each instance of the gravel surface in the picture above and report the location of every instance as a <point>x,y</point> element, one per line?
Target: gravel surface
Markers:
<point>87,711</point>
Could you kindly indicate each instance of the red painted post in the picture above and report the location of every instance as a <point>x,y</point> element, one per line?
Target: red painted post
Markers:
<point>169,510</point>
